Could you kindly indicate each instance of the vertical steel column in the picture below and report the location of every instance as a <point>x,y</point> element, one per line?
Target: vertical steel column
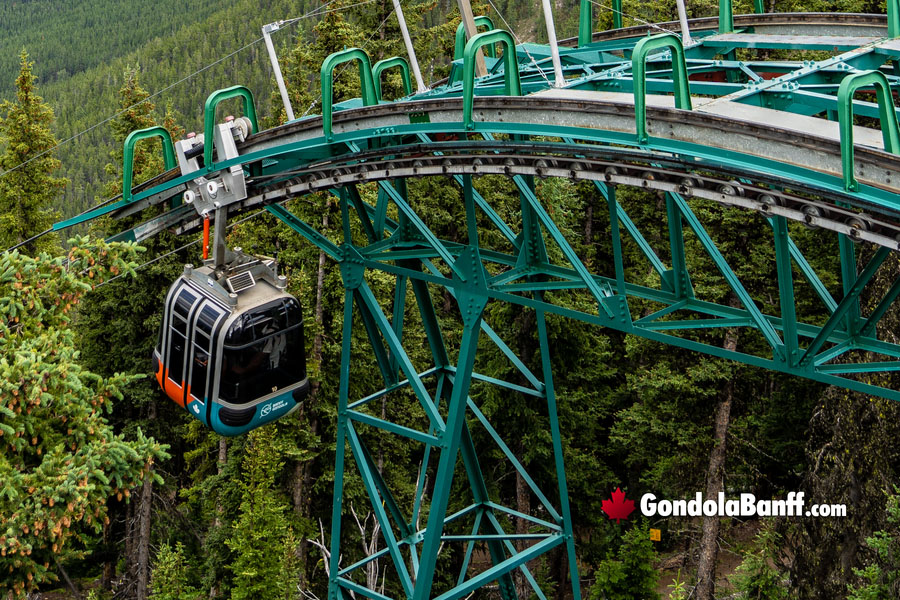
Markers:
<point>334,590</point>
<point>680,281</point>
<point>786,289</point>
<point>471,306</point>
<point>616,239</point>
<point>848,278</point>
<point>553,412</point>
<point>726,16</point>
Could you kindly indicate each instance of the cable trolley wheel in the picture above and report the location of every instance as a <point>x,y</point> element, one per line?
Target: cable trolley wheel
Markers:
<point>231,348</point>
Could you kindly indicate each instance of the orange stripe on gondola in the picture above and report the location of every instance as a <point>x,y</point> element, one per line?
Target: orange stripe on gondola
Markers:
<point>173,390</point>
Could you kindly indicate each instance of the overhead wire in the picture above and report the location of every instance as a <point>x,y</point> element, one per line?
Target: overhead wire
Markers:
<point>344,66</point>
<point>638,19</point>
<point>253,215</point>
<point>313,13</point>
<point>519,41</point>
<point>180,248</point>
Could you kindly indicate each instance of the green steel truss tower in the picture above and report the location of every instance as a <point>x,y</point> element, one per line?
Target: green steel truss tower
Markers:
<point>775,138</point>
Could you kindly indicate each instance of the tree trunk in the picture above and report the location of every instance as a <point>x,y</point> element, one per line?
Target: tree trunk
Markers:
<point>523,505</point>
<point>217,520</point>
<point>144,514</point>
<point>303,471</point>
<point>715,483</point>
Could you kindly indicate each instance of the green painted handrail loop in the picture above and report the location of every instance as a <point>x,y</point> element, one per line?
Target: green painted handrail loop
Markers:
<point>460,45</point>
<point>369,97</point>
<point>889,128</point>
<point>586,20</point>
<point>639,74</point>
<point>513,85</point>
<point>726,16</point>
<point>383,65</point>
<point>893,16</point>
<point>128,155</point>
<point>209,116</point>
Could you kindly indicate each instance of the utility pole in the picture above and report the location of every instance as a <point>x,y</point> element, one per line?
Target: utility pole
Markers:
<point>468,19</point>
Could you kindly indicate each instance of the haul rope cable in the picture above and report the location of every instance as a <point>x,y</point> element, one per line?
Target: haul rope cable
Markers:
<point>314,13</point>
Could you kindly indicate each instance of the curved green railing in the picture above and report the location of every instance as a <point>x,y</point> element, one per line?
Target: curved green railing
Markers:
<point>639,75</point>
<point>128,155</point>
<point>510,68</point>
<point>388,63</point>
<point>460,44</point>
<point>586,19</point>
<point>369,97</point>
<point>889,129</point>
<point>209,116</point>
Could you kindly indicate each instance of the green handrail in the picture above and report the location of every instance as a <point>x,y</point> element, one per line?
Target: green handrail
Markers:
<point>209,117</point>
<point>128,155</point>
<point>639,76</point>
<point>382,65</point>
<point>586,20</point>
<point>893,15</point>
<point>726,16</point>
<point>460,45</point>
<point>369,96</point>
<point>889,128</point>
<point>513,85</point>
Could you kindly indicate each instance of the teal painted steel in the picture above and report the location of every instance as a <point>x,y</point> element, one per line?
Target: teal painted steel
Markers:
<point>209,117</point>
<point>474,270</point>
<point>460,39</point>
<point>512,83</point>
<point>369,95</point>
<point>887,113</point>
<point>726,16</point>
<point>128,154</point>
<point>639,70</point>
<point>388,63</point>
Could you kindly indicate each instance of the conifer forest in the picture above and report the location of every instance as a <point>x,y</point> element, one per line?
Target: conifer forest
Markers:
<point>109,490</point>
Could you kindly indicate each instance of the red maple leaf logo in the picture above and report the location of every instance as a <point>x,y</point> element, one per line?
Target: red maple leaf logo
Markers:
<point>618,507</point>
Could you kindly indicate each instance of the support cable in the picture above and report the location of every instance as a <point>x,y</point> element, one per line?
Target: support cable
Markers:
<point>624,14</point>
<point>179,249</point>
<point>316,12</point>
<point>519,41</point>
<point>313,13</point>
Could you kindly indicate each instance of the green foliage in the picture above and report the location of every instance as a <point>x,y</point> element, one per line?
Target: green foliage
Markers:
<point>27,191</point>
<point>59,458</point>
<point>880,577</point>
<point>261,535</point>
<point>758,577</point>
<point>170,580</point>
<point>629,573</point>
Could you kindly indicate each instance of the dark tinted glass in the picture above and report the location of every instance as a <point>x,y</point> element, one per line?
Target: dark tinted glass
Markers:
<point>177,342</point>
<point>199,365</point>
<point>263,353</point>
<point>184,302</point>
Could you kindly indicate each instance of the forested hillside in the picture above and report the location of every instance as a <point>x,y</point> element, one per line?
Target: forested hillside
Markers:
<point>140,501</point>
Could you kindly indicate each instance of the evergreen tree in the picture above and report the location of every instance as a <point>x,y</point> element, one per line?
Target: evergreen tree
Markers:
<point>260,534</point>
<point>170,575</point>
<point>629,574</point>
<point>59,458</point>
<point>28,186</point>
<point>119,323</point>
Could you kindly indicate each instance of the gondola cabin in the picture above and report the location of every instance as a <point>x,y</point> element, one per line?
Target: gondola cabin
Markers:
<point>230,350</point>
